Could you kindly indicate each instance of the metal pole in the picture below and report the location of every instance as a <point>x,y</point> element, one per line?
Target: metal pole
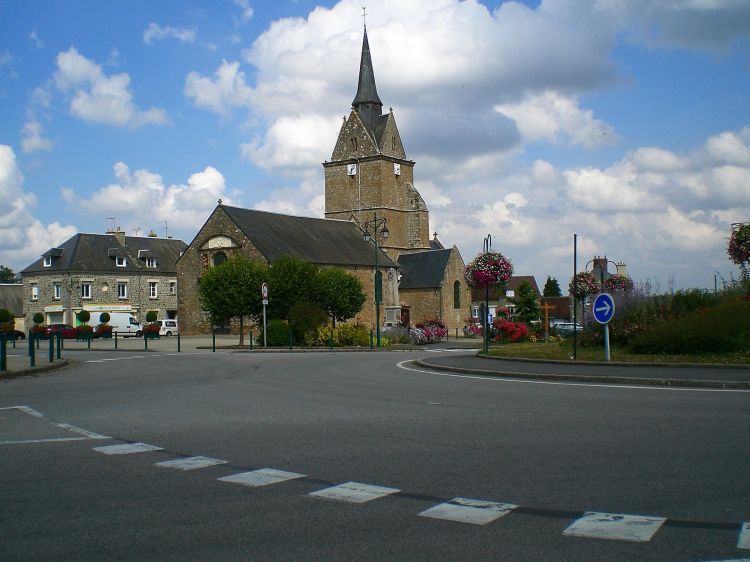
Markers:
<point>606,342</point>
<point>115,340</point>
<point>213,339</point>
<point>178,342</point>
<point>51,348</point>
<point>265,340</point>
<point>145,341</point>
<point>31,350</point>
<point>59,344</point>
<point>3,354</point>
<point>575,304</point>
<point>377,297</point>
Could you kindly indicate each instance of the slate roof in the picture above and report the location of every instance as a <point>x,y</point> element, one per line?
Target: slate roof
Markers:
<point>423,270</point>
<point>367,92</point>
<point>96,253</point>
<point>513,283</point>
<point>11,298</point>
<point>319,241</point>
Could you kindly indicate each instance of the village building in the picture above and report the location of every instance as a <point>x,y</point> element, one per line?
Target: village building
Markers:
<point>103,273</point>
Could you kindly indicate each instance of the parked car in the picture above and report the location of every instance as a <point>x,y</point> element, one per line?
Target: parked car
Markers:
<point>168,327</point>
<point>15,335</point>
<point>567,328</point>
<point>67,331</point>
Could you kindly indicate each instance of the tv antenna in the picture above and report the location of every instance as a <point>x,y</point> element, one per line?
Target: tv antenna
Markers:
<point>166,228</point>
<point>113,222</point>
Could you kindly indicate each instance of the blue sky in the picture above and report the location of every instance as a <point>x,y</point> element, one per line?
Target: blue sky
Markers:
<point>625,122</point>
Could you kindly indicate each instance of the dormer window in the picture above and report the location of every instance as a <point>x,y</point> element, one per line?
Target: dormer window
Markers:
<point>47,261</point>
<point>120,261</point>
<point>150,262</point>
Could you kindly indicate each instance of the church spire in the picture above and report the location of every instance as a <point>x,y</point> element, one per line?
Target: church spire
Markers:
<point>367,102</point>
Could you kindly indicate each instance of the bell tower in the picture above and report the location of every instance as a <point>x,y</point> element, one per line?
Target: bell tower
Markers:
<point>369,173</point>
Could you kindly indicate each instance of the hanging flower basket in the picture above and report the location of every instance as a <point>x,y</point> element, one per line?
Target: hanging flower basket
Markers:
<point>618,284</point>
<point>583,285</point>
<point>738,248</point>
<point>488,269</point>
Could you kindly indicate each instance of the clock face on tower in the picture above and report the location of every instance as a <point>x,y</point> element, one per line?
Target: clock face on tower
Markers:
<point>397,169</point>
<point>351,169</point>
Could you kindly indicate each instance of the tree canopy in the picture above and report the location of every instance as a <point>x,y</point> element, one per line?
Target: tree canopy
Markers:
<point>7,275</point>
<point>551,288</point>
<point>527,307</point>
<point>291,281</point>
<point>339,293</point>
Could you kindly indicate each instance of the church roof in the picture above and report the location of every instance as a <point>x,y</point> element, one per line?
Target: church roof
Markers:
<point>423,270</point>
<point>319,241</point>
<point>367,92</point>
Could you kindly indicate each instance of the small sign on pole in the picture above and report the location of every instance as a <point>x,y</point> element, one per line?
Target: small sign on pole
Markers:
<point>264,296</point>
<point>604,310</point>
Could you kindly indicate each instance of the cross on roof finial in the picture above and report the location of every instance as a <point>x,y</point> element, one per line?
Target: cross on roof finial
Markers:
<point>364,16</point>
<point>219,201</point>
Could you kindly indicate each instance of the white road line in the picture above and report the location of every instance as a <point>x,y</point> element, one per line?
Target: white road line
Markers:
<point>261,477</point>
<point>190,463</point>
<point>744,538</point>
<point>355,492</point>
<point>25,410</point>
<point>475,512</point>
<point>615,526</point>
<point>613,386</point>
<point>127,449</point>
<point>87,434</point>
<point>59,439</point>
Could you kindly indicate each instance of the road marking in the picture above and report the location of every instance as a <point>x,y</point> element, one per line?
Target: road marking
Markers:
<point>261,477</point>
<point>54,440</point>
<point>190,463</point>
<point>24,409</point>
<point>614,526</point>
<point>614,386</point>
<point>744,540</point>
<point>475,512</point>
<point>355,492</point>
<point>127,449</point>
<point>85,433</point>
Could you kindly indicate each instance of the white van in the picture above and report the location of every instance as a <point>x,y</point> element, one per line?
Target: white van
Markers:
<point>125,324</point>
<point>168,327</point>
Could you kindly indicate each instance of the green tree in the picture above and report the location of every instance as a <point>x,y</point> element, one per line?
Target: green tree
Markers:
<point>339,294</point>
<point>551,288</point>
<point>7,275</point>
<point>527,307</point>
<point>291,281</point>
<point>234,289</point>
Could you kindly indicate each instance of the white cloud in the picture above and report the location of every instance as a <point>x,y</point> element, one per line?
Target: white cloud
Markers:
<point>34,37</point>
<point>246,10</point>
<point>226,91</point>
<point>558,118</point>
<point>23,238</point>
<point>99,98</point>
<point>155,32</point>
<point>33,137</point>
<point>141,199</point>
<point>5,58</point>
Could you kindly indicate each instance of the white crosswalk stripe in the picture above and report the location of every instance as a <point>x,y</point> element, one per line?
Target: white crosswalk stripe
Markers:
<point>261,477</point>
<point>355,492</point>
<point>463,510</point>
<point>615,526</point>
<point>190,463</point>
<point>127,449</point>
<point>744,540</point>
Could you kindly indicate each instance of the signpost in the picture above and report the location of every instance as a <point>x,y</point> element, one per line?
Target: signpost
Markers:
<point>264,296</point>
<point>604,310</point>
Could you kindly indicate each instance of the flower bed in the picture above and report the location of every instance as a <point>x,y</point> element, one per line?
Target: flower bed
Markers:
<point>431,331</point>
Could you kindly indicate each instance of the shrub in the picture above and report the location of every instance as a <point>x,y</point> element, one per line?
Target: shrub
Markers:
<point>353,334</point>
<point>151,328</point>
<point>721,329</point>
<point>429,331</point>
<point>151,316</point>
<point>84,316</point>
<point>7,321</point>
<point>38,318</point>
<point>104,318</point>
<point>277,332</point>
<point>5,315</point>
<point>395,334</point>
<point>691,300</point>
<point>515,331</point>
<point>305,317</point>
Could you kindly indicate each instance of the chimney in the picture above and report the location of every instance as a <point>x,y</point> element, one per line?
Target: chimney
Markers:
<point>120,236</point>
<point>152,234</point>
<point>621,267</point>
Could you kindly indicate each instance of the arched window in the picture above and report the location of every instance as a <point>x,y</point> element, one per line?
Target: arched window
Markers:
<point>354,144</point>
<point>457,294</point>
<point>219,258</point>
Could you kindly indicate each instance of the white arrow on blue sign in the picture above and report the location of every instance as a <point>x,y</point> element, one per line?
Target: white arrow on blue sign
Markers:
<point>604,308</point>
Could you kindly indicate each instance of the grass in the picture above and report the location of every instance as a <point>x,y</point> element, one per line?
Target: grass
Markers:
<point>564,351</point>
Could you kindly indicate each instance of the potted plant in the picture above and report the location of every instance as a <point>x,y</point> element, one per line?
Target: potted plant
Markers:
<point>103,329</point>
<point>738,248</point>
<point>7,322</point>
<point>38,330</point>
<point>618,283</point>
<point>84,332</point>
<point>151,330</point>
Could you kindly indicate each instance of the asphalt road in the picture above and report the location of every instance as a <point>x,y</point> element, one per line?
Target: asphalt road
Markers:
<point>555,451</point>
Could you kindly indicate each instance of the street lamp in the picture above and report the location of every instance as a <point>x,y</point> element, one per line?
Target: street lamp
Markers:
<point>376,225</point>
<point>486,247</point>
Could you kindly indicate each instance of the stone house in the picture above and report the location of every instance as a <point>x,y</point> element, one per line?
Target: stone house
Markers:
<point>11,299</point>
<point>502,298</point>
<point>103,273</point>
<point>265,237</point>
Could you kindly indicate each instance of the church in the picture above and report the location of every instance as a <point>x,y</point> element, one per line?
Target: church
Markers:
<point>369,190</point>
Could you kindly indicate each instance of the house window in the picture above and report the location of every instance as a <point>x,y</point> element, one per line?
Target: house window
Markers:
<point>173,287</point>
<point>34,291</point>
<point>57,291</point>
<point>47,261</point>
<point>393,143</point>
<point>354,143</point>
<point>457,294</point>
<point>120,261</point>
<point>153,289</point>
<point>150,262</point>
<point>85,290</point>
<point>219,258</point>
<point>122,290</point>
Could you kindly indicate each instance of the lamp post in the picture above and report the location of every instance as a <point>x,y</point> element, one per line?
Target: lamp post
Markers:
<point>486,248</point>
<point>376,225</point>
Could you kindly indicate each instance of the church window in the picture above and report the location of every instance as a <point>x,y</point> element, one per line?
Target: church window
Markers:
<point>354,144</point>
<point>393,143</point>
<point>219,258</point>
<point>457,294</point>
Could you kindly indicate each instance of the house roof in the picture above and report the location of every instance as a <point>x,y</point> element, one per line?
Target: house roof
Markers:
<point>560,307</point>
<point>319,241</point>
<point>11,298</point>
<point>96,253</point>
<point>421,270</point>
<point>513,283</point>
<point>367,92</point>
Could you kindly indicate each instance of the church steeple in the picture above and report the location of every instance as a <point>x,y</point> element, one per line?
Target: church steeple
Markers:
<point>367,102</point>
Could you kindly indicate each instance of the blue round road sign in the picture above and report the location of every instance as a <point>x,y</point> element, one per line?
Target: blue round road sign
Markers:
<point>604,308</point>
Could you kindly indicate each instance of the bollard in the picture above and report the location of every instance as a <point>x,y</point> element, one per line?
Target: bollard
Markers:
<point>290,339</point>
<point>3,353</point>
<point>59,344</point>
<point>115,340</point>
<point>51,348</point>
<point>213,345</point>
<point>145,341</point>
<point>251,339</point>
<point>88,341</point>
<point>371,340</point>
<point>178,342</point>
<point>32,362</point>
<point>330,341</point>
